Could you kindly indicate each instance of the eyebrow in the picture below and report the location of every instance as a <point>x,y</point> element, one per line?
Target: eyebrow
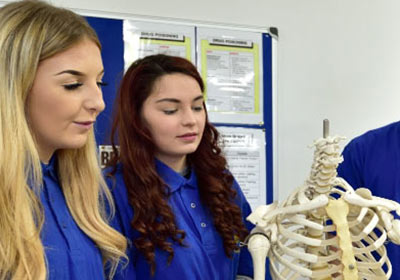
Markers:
<point>74,72</point>
<point>174,100</point>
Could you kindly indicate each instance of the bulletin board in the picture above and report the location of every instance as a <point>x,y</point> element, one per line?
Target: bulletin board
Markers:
<point>237,65</point>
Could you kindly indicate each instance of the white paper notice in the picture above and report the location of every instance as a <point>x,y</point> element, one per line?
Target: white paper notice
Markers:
<point>147,38</point>
<point>147,48</point>
<point>230,81</point>
<point>244,149</point>
<point>231,66</point>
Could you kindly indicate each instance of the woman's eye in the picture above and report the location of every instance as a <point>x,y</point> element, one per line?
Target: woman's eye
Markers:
<point>198,108</point>
<point>101,84</point>
<point>169,112</point>
<point>72,86</point>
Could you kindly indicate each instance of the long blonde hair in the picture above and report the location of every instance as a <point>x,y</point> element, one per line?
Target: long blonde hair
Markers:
<point>31,31</point>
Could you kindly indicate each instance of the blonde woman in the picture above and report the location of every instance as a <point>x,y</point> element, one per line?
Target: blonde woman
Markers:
<point>52,218</point>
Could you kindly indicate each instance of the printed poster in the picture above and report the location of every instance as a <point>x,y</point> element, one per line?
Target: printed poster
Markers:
<point>144,38</point>
<point>244,149</point>
<point>231,66</point>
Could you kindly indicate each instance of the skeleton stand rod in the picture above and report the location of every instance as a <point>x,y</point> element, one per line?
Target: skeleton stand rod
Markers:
<point>325,128</point>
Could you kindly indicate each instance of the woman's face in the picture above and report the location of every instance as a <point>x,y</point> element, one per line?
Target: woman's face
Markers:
<point>175,116</point>
<point>66,98</point>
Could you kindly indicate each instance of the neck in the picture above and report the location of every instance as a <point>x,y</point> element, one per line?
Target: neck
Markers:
<point>177,164</point>
<point>45,155</point>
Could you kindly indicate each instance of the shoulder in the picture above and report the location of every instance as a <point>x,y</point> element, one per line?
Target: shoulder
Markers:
<point>365,153</point>
<point>378,136</point>
<point>116,184</point>
<point>238,189</point>
<point>114,178</point>
<point>235,185</point>
<point>240,198</point>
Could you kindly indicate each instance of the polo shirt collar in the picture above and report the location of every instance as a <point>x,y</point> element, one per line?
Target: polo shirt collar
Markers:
<point>173,179</point>
<point>50,169</point>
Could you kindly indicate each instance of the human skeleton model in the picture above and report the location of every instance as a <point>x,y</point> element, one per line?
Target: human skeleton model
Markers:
<point>325,229</point>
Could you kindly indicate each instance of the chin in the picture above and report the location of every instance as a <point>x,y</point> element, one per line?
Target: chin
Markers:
<point>189,151</point>
<point>76,144</point>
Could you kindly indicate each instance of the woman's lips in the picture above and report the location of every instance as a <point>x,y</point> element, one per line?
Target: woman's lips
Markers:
<point>86,125</point>
<point>188,136</point>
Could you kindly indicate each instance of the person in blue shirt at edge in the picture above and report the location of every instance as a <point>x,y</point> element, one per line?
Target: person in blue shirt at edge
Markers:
<point>372,161</point>
<point>177,203</point>
<point>52,195</point>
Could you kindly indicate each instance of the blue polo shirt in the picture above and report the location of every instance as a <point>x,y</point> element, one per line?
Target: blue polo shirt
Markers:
<point>204,257</point>
<point>70,253</point>
<point>372,161</point>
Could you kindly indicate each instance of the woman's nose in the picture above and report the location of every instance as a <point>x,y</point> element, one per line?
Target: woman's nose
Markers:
<point>95,100</point>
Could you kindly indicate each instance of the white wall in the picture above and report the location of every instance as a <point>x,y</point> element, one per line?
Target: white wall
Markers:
<point>338,59</point>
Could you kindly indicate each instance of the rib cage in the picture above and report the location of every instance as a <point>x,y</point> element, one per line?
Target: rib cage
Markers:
<point>305,242</point>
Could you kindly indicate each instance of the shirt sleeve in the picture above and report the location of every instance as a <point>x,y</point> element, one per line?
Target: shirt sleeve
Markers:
<point>245,266</point>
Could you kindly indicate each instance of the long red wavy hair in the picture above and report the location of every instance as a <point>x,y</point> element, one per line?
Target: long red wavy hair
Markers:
<point>147,193</point>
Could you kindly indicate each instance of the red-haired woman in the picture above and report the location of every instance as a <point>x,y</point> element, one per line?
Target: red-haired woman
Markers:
<point>177,203</point>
